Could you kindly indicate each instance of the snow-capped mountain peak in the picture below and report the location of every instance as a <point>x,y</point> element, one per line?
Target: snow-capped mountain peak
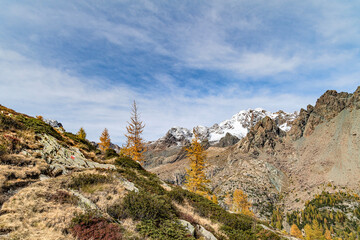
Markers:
<point>238,125</point>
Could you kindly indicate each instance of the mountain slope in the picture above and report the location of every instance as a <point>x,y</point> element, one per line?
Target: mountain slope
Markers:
<point>56,186</point>
<point>283,170</point>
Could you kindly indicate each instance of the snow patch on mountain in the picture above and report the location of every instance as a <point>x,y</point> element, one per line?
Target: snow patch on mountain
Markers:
<point>238,125</point>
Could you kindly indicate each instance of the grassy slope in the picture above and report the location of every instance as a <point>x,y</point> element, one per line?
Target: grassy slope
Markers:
<point>94,200</point>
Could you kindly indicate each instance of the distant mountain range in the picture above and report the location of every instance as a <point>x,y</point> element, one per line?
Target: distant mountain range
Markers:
<point>238,126</point>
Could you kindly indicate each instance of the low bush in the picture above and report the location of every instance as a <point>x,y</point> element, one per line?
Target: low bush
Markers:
<point>2,150</point>
<point>91,226</point>
<point>150,184</point>
<point>110,153</point>
<point>167,229</point>
<point>143,206</point>
<point>176,195</point>
<point>86,145</point>
<point>62,197</point>
<point>127,162</point>
<point>85,179</point>
<point>38,126</point>
<point>7,123</point>
<point>236,234</point>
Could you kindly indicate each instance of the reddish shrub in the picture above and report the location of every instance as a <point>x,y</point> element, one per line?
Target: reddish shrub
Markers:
<point>62,197</point>
<point>96,229</point>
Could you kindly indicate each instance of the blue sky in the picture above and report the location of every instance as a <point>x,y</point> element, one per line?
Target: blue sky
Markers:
<point>186,63</point>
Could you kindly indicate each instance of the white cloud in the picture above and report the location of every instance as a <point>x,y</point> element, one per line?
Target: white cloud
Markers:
<point>34,89</point>
<point>297,50</point>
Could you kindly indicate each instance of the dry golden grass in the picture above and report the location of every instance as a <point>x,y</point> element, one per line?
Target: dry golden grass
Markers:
<point>33,214</point>
<point>30,215</point>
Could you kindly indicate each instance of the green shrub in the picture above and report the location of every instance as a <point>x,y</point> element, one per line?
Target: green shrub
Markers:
<point>38,126</point>
<point>85,179</point>
<point>144,206</point>
<point>87,145</point>
<point>149,184</point>
<point>2,150</point>
<point>176,195</point>
<point>167,229</point>
<point>110,153</point>
<point>236,234</point>
<point>8,123</point>
<point>127,162</point>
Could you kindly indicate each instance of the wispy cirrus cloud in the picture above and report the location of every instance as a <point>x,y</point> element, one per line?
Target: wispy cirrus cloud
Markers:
<point>185,62</point>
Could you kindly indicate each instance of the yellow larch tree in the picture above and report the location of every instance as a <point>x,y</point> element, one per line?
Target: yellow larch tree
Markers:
<point>81,134</point>
<point>135,146</point>
<point>241,203</point>
<point>295,231</point>
<point>104,140</point>
<point>314,231</point>
<point>196,179</point>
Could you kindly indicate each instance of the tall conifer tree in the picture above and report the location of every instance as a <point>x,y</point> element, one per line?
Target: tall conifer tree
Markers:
<point>196,180</point>
<point>135,146</point>
<point>81,134</point>
<point>104,140</point>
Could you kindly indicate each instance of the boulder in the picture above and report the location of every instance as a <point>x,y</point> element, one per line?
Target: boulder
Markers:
<point>190,228</point>
<point>202,232</point>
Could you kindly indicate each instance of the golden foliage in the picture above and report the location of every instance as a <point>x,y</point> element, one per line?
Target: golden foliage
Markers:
<point>327,234</point>
<point>81,134</point>
<point>314,232</point>
<point>104,140</point>
<point>241,203</point>
<point>40,118</point>
<point>135,146</point>
<point>214,199</point>
<point>196,180</point>
<point>295,231</point>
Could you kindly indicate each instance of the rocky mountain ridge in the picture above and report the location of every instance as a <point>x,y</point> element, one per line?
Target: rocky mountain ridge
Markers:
<point>238,125</point>
<point>283,169</point>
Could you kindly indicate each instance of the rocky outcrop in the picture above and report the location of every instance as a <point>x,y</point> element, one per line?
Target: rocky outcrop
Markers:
<point>227,141</point>
<point>201,232</point>
<point>53,123</point>
<point>116,147</point>
<point>63,159</point>
<point>328,106</point>
<point>264,135</point>
<point>190,228</point>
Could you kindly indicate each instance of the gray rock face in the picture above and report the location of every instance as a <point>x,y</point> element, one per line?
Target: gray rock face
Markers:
<point>188,226</point>
<point>202,232</point>
<point>228,140</point>
<point>62,159</point>
<point>264,135</point>
<point>53,123</point>
<point>328,106</point>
